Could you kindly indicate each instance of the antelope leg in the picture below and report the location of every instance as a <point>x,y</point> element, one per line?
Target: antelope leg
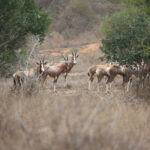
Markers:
<point>110,85</point>
<point>66,83</point>
<point>54,87</point>
<point>107,88</point>
<point>90,81</point>
<point>89,86</point>
<point>54,82</point>
<point>128,85</point>
<point>98,85</point>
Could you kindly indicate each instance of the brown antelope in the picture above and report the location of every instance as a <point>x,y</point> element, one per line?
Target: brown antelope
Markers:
<point>111,71</point>
<point>134,71</point>
<point>72,61</point>
<point>20,76</point>
<point>146,73</point>
<point>127,73</point>
<point>100,71</point>
<point>92,73</point>
<point>55,70</point>
<point>128,77</point>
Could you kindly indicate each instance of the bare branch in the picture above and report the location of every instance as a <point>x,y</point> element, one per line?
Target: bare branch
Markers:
<point>35,40</point>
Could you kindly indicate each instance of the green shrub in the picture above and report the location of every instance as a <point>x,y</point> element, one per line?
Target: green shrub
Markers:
<point>110,21</point>
<point>127,36</point>
<point>144,4</point>
<point>18,19</point>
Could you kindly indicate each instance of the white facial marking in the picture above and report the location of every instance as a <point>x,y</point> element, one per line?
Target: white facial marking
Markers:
<point>107,88</point>
<point>42,67</point>
<point>74,60</point>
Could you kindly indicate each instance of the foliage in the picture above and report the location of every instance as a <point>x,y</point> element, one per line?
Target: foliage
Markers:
<point>17,20</point>
<point>110,21</point>
<point>127,36</point>
<point>143,4</point>
<point>114,1</point>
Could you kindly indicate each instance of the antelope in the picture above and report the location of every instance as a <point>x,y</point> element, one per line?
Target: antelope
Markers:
<point>100,71</point>
<point>111,71</point>
<point>92,73</point>
<point>55,70</point>
<point>20,76</point>
<point>146,72</point>
<point>71,64</point>
<point>128,77</point>
<point>134,71</point>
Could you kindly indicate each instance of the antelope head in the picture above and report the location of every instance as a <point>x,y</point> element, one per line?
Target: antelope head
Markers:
<point>74,57</point>
<point>41,65</point>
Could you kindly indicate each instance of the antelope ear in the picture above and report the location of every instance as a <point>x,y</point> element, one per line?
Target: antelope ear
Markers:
<point>67,58</point>
<point>64,57</point>
<point>45,63</point>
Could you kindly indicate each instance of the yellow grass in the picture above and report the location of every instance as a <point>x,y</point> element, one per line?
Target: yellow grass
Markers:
<point>74,118</point>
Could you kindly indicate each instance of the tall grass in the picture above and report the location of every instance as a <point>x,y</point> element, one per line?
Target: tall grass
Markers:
<point>72,120</point>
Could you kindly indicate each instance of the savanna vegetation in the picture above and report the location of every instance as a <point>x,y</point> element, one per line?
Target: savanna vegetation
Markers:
<point>128,33</point>
<point>18,19</point>
<point>73,118</point>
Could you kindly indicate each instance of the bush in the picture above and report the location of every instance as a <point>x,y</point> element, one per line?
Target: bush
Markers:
<point>18,19</point>
<point>127,36</point>
<point>144,4</point>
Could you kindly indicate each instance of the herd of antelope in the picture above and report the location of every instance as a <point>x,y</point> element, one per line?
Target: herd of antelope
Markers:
<point>43,70</point>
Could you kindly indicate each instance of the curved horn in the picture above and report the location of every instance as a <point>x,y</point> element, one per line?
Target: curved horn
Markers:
<point>43,59</point>
<point>75,51</point>
<point>67,58</point>
<point>72,51</point>
<point>38,57</point>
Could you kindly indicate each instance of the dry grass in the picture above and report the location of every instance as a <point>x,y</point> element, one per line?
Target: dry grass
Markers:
<point>74,118</point>
<point>75,21</point>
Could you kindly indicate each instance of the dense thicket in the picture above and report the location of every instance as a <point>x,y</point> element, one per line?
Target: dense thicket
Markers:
<point>17,20</point>
<point>127,34</point>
